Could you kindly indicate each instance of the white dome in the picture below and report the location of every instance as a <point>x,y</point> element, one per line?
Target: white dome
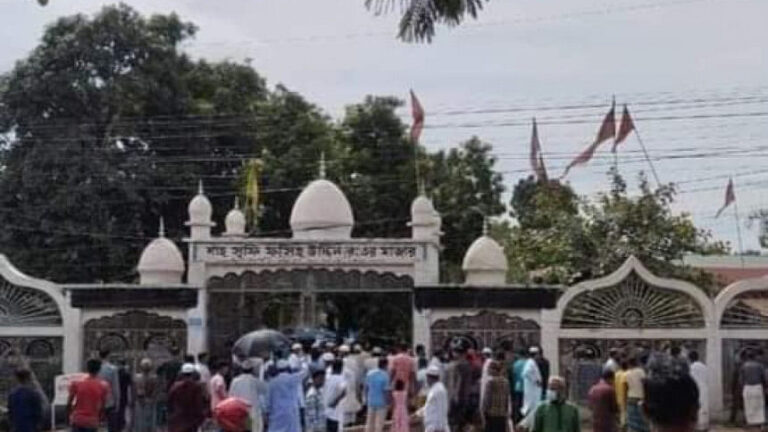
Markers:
<point>485,262</point>
<point>234,223</point>
<point>161,263</point>
<point>322,212</point>
<point>422,211</point>
<point>200,209</point>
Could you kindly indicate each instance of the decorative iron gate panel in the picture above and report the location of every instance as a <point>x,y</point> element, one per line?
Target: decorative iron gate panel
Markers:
<point>42,355</point>
<point>633,303</point>
<point>231,315</point>
<point>732,351</point>
<point>486,329</point>
<point>581,360</point>
<point>133,335</point>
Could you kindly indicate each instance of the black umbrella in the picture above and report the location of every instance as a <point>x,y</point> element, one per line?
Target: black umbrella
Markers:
<point>261,343</point>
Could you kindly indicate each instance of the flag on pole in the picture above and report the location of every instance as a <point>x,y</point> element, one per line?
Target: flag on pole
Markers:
<point>537,160</point>
<point>625,127</point>
<point>606,132</point>
<point>730,197</point>
<point>253,172</point>
<point>417,113</point>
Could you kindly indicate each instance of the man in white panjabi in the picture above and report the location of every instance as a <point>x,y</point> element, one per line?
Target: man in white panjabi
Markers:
<point>485,375</point>
<point>435,410</point>
<point>699,375</point>
<point>351,403</point>
<point>531,384</point>
<point>753,379</point>
<point>251,389</point>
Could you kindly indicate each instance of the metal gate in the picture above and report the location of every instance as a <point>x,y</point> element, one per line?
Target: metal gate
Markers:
<point>581,360</point>
<point>134,335</point>
<point>486,329</point>
<point>41,355</point>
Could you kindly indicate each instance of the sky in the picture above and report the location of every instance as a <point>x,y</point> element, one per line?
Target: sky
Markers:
<point>693,72</point>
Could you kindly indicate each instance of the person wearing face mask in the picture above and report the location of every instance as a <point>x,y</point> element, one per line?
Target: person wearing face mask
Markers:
<point>556,414</point>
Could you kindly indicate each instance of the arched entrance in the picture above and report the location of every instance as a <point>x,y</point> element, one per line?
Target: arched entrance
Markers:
<point>633,310</point>
<point>134,335</point>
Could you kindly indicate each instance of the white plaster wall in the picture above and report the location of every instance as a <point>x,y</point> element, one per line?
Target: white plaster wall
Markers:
<point>197,317</point>
<point>421,324</point>
<point>425,272</point>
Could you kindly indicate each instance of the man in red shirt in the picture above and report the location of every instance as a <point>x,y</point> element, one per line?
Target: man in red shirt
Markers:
<point>87,399</point>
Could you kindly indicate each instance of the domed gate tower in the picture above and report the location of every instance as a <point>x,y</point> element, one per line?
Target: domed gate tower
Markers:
<point>320,277</point>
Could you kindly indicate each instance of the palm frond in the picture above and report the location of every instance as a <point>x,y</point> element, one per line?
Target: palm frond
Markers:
<point>420,17</point>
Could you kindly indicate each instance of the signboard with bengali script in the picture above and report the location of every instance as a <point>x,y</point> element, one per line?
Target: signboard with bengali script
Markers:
<point>61,386</point>
<point>292,252</point>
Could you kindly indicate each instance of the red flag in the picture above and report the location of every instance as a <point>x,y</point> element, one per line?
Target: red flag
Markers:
<point>730,197</point>
<point>626,126</point>
<point>537,160</point>
<point>606,132</point>
<point>417,112</point>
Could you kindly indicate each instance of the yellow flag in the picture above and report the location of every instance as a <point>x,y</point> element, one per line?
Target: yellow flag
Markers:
<point>253,172</point>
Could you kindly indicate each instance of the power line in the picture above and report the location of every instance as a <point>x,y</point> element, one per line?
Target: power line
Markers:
<point>218,120</point>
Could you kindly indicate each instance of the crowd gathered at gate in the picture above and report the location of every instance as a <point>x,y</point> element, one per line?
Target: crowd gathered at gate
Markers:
<point>330,388</point>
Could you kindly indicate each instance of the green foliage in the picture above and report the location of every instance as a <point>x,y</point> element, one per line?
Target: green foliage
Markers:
<point>465,189</point>
<point>562,239</point>
<point>103,138</point>
<point>107,126</point>
<point>378,166</point>
<point>419,18</point>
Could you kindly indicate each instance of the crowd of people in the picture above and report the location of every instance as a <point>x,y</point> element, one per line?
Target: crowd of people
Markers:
<point>619,400</point>
<point>327,388</point>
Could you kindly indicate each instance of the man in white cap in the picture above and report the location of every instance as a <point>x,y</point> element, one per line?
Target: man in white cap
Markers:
<point>298,360</point>
<point>485,374</point>
<point>297,356</point>
<point>532,383</point>
<point>335,389</point>
<point>351,402</point>
<point>186,402</point>
<point>435,411</point>
<point>283,398</point>
<point>252,390</point>
<point>327,359</point>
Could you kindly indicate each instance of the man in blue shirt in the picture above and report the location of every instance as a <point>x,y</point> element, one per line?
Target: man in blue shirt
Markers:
<point>377,395</point>
<point>25,406</point>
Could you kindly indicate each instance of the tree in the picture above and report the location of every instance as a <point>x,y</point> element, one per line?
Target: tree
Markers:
<point>466,189</point>
<point>563,239</point>
<point>107,125</point>
<point>290,138</point>
<point>104,136</point>
<point>378,167</point>
<point>419,18</point>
